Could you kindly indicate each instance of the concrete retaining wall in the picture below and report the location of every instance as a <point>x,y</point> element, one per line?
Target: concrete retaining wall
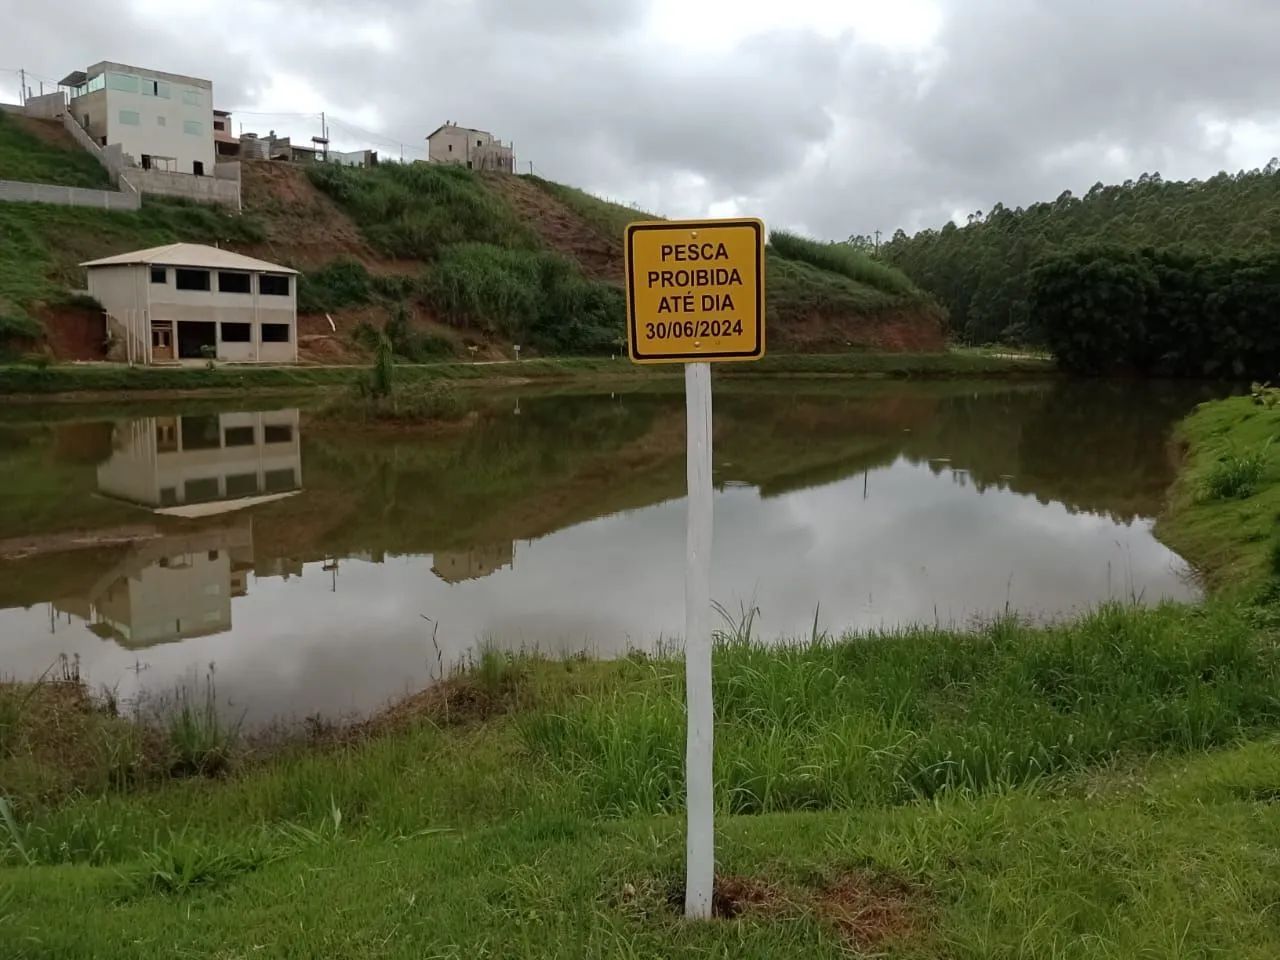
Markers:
<point>221,188</point>
<point>14,191</point>
<point>47,107</point>
<point>200,189</point>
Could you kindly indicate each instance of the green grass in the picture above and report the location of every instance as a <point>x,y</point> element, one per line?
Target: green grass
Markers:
<point>1103,788</point>
<point>532,297</point>
<point>610,219</point>
<point>1017,792</point>
<point>843,260</point>
<point>54,380</point>
<point>42,245</point>
<point>1235,476</point>
<point>418,210</point>
<point>28,157</point>
<point>1225,507</point>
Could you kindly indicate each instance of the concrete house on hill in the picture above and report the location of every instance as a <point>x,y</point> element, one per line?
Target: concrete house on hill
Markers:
<point>474,149</point>
<point>163,121</point>
<point>190,302</point>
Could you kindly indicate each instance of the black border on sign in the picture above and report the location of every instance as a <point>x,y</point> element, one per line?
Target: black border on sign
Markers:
<point>632,338</point>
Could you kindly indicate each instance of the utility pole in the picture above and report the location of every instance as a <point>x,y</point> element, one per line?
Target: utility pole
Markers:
<point>22,86</point>
<point>877,241</point>
<point>531,168</point>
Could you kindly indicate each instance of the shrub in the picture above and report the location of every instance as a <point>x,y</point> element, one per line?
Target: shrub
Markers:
<point>200,741</point>
<point>1235,476</point>
<point>85,301</point>
<point>341,283</point>
<point>529,296</point>
<point>843,259</point>
<point>414,346</point>
<point>418,210</point>
<point>19,326</point>
<point>382,376</point>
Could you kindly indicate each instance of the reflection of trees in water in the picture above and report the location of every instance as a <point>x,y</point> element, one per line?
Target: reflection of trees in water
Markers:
<point>1099,447</point>
<point>1094,446</point>
<point>410,492</point>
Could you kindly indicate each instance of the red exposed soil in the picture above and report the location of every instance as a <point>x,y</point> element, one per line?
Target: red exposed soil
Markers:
<point>304,227</point>
<point>562,229</point>
<point>318,342</point>
<point>50,131</point>
<point>74,333</point>
<point>905,329</point>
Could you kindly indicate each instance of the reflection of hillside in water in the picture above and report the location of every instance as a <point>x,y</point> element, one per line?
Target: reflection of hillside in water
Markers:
<point>466,497</point>
<point>1094,447</point>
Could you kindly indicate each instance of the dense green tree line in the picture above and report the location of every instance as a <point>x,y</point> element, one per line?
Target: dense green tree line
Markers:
<point>982,272</point>
<point>1163,312</point>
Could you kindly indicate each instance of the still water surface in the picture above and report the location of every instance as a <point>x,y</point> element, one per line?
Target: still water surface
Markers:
<point>310,563</point>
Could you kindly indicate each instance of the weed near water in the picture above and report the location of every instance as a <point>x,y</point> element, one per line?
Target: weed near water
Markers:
<point>201,741</point>
<point>1235,476</point>
<point>886,719</point>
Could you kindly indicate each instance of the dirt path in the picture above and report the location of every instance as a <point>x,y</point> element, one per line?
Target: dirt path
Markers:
<point>561,228</point>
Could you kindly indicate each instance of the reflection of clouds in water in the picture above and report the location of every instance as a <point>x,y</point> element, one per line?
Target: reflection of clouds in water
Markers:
<point>921,546</point>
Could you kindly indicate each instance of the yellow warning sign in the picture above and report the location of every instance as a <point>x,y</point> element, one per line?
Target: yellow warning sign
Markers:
<point>695,290</point>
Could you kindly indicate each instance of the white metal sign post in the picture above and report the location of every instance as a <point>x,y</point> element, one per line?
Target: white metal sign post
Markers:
<point>695,295</point>
<point>700,838</point>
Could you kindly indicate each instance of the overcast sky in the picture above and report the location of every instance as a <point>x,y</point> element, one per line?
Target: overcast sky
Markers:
<point>829,116</point>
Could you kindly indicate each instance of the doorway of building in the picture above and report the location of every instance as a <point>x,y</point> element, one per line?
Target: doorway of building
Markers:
<point>197,168</point>
<point>162,341</point>
<point>193,338</point>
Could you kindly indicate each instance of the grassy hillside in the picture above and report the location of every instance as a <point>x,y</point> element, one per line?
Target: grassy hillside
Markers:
<point>41,151</point>
<point>821,296</point>
<point>42,245</point>
<point>434,257</point>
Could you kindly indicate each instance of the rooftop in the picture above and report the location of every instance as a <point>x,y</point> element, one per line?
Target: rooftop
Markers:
<point>77,77</point>
<point>454,126</point>
<point>190,255</point>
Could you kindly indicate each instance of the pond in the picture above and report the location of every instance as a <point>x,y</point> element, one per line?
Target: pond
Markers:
<point>323,569</point>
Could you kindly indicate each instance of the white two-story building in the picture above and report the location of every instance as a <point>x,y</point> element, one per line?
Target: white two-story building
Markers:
<point>163,121</point>
<point>191,302</point>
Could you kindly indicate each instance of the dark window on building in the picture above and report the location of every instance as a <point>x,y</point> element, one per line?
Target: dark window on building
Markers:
<point>191,279</point>
<point>277,481</point>
<point>213,554</point>
<point>201,490</point>
<point>238,436</point>
<point>479,143</point>
<point>279,433</point>
<point>219,125</point>
<point>242,485</point>
<point>273,285</point>
<point>237,333</point>
<point>275,333</point>
<point>233,282</point>
<point>197,167</point>
<point>201,433</point>
<point>159,275</point>
<point>450,145</point>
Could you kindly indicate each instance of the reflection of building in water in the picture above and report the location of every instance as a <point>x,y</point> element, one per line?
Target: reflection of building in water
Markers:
<point>458,565</point>
<point>173,463</point>
<point>172,588</point>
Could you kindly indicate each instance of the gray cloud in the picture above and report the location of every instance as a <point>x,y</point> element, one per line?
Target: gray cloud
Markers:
<point>1012,100</point>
